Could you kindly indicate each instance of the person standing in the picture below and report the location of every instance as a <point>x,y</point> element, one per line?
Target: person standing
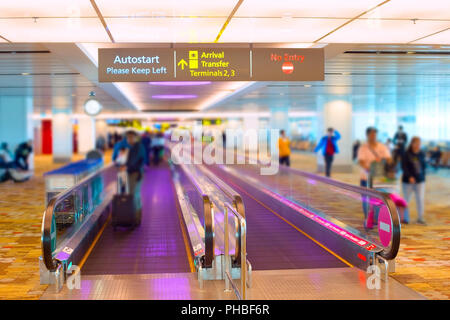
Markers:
<point>369,154</point>
<point>158,148</point>
<point>147,143</point>
<point>329,147</point>
<point>413,178</point>
<point>135,168</point>
<point>400,140</point>
<point>284,149</point>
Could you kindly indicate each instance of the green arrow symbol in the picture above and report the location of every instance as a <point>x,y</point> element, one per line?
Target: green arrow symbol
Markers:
<point>182,63</point>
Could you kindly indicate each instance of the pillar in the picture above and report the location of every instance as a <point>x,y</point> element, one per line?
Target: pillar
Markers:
<point>62,131</point>
<point>16,123</point>
<point>279,119</point>
<point>336,113</point>
<point>86,134</point>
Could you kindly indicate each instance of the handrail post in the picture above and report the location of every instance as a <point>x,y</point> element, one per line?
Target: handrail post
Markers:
<point>227,253</point>
<point>243,258</point>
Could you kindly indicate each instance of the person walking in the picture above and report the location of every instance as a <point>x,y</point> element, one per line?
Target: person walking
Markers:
<point>135,168</point>
<point>329,147</point>
<point>284,150</point>
<point>413,178</point>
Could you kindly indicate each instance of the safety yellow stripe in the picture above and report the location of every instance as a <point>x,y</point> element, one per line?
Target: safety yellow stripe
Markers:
<point>298,229</point>
<point>183,231</point>
<point>88,252</point>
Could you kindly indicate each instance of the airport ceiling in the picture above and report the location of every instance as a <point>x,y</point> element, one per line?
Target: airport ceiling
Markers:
<point>382,54</point>
<point>318,21</point>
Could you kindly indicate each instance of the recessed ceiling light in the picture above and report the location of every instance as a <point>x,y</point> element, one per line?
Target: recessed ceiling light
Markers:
<point>174,96</point>
<point>25,73</point>
<point>307,86</point>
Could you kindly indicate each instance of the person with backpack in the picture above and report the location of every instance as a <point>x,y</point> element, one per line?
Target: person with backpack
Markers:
<point>413,178</point>
<point>329,147</point>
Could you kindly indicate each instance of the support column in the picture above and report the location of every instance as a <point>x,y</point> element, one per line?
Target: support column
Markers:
<point>250,127</point>
<point>62,130</point>
<point>16,123</point>
<point>336,113</point>
<point>279,119</point>
<point>86,134</point>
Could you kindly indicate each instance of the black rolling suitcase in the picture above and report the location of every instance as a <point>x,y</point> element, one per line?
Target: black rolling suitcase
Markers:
<point>124,212</point>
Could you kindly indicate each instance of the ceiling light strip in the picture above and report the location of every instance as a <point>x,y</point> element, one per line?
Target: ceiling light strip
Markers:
<point>238,4</point>
<point>351,20</point>
<point>102,20</point>
<point>5,39</point>
<point>429,35</point>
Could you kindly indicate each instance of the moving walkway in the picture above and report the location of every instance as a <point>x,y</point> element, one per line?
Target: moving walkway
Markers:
<point>228,222</point>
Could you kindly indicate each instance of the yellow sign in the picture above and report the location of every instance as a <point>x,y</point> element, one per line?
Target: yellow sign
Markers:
<point>221,64</point>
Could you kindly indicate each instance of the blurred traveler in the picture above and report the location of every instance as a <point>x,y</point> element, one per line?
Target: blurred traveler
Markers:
<point>356,146</point>
<point>158,148</point>
<point>147,143</point>
<point>135,166</point>
<point>284,149</point>
<point>400,140</point>
<point>329,147</point>
<point>370,155</point>
<point>23,152</point>
<point>413,179</point>
<point>435,157</point>
<point>100,143</point>
<point>224,139</point>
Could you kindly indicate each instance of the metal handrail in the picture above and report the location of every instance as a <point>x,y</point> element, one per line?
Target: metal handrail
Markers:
<point>237,202</point>
<point>208,219</point>
<point>47,254</point>
<point>243,253</point>
<point>389,252</point>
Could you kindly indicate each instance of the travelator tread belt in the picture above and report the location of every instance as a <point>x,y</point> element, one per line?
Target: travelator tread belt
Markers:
<point>271,242</point>
<point>156,246</point>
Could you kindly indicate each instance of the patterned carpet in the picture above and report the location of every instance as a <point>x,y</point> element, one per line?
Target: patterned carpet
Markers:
<point>423,263</point>
<point>21,208</point>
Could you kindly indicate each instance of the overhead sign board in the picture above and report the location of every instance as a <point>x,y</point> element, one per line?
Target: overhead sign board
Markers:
<point>287,64</point>
<point>214,64</point>
<point>211,64</point>
<point>135,65</point>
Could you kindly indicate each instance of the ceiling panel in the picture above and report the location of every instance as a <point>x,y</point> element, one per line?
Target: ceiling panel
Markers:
<point>384,31</point>
<point>413,9</point>
<point>46,8</point>
<point>168,8</point>
<point>304,8</point>
<point>53,30</point>
<point>278,29</point>
<point>374,82</point>
<point>45,77</point>
<point>165,29</point>
<point>439,38</point>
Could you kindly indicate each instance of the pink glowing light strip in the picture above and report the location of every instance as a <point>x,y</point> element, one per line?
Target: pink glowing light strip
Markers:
<point>331,226</point>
